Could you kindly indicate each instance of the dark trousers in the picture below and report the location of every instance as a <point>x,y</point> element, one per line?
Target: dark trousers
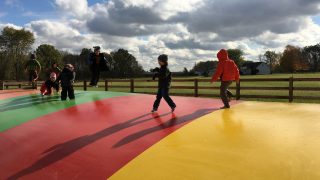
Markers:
<point>33,75</point>
<point>95,72</point>
<point>225,94</point>
<point>67,91</point>
<point>163,93</point>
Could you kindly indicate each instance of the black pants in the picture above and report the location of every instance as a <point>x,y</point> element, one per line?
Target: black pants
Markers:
<point>67,91</point>
<point>33,75</point>
<point>95,72</point>
<point>225,94</point>
<point>163,93</point>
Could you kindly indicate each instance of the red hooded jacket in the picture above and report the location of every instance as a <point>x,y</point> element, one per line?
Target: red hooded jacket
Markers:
<point>227,70</point>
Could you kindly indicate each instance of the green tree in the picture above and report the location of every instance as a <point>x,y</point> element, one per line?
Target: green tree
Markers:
<point>204,68</point>
<point>125,64</point>
<point>312,55</point>
<point>82,63</point>
<point>272,59</point>
<point>292,60</point>
<point>47,55</point>
<point>185,71</point>
<point>14,46</point>
<point>236,55</point>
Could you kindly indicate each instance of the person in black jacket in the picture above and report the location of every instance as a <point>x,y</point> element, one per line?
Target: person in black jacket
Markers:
<point>97,63</point>
<point>66,78</point>
<point>164,83</point>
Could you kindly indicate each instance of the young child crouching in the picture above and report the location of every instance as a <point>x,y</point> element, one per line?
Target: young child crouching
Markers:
<point>50,84</point>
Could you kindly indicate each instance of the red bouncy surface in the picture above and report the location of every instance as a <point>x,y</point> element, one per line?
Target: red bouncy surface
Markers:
<point>6,94</point>
<point>92,140</point>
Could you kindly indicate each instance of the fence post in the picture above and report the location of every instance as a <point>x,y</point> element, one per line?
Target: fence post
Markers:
<point>290,89</point>
<point>196,88</point>
<point>238,91</point>
<point>1,85</point>
<point>106,85</point>
<point>84,85</point>
<point>20,86</point>
<point>131,85</point>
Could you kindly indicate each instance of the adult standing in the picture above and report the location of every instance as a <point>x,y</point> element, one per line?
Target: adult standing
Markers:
<point>97,62</point>
<point>33,69</point>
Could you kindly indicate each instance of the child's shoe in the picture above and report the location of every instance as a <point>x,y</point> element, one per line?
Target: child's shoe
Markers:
<point>173,108</point>
<point>225,107</point>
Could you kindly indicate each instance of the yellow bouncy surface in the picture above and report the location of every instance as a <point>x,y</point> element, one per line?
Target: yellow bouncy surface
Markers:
<point>252,140</point>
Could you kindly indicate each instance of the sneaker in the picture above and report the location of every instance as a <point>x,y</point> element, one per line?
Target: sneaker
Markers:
<point>225,107</point>
<point>173,109</point>
<point>154,110</point>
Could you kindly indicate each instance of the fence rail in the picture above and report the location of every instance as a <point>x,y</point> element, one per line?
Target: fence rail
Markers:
<point>196,87</point>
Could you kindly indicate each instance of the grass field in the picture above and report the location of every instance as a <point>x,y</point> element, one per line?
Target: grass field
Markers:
<point>243,84</point>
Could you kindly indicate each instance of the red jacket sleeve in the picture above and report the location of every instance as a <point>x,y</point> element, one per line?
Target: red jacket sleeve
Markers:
<point>218,72</point>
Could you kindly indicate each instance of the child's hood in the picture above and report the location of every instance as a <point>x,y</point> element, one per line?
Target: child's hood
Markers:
<point>223,55</point>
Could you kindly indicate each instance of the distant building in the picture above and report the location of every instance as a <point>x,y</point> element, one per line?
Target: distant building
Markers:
<point>253,68</point>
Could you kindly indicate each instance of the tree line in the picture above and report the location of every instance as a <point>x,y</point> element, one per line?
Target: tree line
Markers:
<point>16,46</point>
<point>15,51</point>
<point>292,60</point>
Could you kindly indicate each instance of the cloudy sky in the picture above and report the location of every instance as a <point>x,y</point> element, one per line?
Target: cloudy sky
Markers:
<point>188,31</point>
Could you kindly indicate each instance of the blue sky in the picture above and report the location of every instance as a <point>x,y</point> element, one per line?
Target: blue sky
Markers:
<point>21,12</point>
<point>316,19</point>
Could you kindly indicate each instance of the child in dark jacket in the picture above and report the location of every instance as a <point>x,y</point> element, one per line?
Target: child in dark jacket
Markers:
<point>48,85</point>
<point>67,77</point>
<point>164,83</point>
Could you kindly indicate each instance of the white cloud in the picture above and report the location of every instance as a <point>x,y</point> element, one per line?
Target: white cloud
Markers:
<point>9,25</point>
<point>188,31</point>
<point>76,8</point>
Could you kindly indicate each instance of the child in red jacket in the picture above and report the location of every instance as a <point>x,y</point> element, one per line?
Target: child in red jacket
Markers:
<point>227,71</point>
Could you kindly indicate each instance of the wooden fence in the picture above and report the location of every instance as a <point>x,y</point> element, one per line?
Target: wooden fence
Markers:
<point>290,88</point>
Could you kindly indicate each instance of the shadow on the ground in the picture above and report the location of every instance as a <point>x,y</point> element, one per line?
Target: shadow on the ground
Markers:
<point>163,125</point>
<point>28,101</point>
<point>63,150</point>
